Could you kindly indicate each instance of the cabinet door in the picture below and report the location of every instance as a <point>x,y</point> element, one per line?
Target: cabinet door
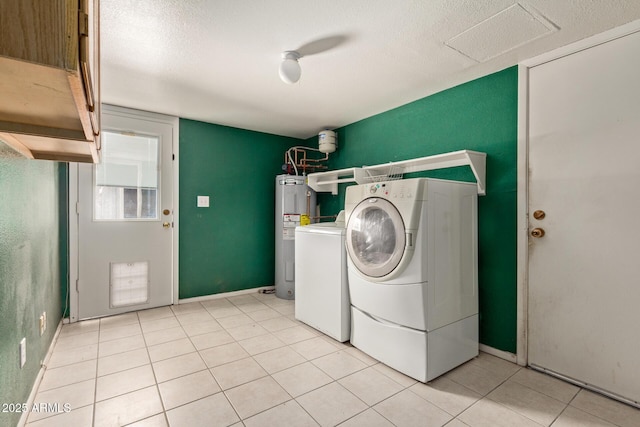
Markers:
<point>49,78</point>
<point>40,32</point>
<point>89,45</point>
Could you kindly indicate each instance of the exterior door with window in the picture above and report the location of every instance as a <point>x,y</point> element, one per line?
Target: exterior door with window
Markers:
<point>125,219</point>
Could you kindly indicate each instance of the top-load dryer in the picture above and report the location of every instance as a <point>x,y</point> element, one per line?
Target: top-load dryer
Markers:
<point>412,270</point>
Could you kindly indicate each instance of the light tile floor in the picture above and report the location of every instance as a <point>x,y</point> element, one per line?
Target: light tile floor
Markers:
<point>245,360</point>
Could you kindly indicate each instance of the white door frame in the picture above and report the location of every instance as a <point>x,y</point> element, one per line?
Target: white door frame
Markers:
<point>73,202</point>
<point>523,168</point>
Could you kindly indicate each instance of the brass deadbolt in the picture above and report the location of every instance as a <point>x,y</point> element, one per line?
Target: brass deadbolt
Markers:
<point>537,232</point>
<point>166,212</point>
<point>539,214</point>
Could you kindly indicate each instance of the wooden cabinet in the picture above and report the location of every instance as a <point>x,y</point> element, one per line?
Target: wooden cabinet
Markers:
<point>49,78</point>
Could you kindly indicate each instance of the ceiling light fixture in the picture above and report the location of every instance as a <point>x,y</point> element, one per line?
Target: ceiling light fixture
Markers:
<point>290,68</point>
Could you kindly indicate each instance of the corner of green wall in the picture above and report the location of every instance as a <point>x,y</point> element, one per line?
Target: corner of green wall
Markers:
<point>229,246</point>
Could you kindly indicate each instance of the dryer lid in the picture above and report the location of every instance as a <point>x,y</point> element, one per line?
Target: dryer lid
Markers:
<point>375,237</point>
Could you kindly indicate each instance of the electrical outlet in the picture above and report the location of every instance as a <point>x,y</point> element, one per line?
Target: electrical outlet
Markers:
<point>41,325</point>
<point>23,352</point>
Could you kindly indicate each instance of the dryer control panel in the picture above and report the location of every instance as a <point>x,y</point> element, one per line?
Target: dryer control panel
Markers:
<point>393,189</point>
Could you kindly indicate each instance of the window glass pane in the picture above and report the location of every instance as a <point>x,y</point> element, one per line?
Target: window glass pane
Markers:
<point>149,205</point>
<point>131,203</point>
<point>126,180</point>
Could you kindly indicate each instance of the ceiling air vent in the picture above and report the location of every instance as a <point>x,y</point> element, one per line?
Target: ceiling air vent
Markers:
<point>500,33</point>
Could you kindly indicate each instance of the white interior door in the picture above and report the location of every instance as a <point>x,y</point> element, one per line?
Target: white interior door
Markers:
<point>584,174</point>
<point>125,219</point>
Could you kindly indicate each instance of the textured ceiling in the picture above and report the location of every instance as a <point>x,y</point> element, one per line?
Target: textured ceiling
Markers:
<point>217,60</point>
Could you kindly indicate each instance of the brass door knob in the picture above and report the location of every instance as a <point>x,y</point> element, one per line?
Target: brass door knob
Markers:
<point>539,214</point>
<point>166,224</point>
<point>537,232</point>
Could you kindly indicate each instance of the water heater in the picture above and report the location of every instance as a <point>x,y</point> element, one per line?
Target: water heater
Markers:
<point>295,204</point>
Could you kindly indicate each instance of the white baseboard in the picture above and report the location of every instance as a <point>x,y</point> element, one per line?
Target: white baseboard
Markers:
<point>498,353</point>
<point>225,295</point>
<point>36,383</point>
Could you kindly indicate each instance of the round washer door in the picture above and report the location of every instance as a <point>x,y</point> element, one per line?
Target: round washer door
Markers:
<point>375,237</point>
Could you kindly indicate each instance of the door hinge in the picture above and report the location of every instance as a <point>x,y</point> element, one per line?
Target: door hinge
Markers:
<point>83,23</point>
<point>78,285</point>
<point>77,208</point>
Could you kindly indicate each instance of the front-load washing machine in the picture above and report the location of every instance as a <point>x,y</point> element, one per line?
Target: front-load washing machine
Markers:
<point>413,273</point>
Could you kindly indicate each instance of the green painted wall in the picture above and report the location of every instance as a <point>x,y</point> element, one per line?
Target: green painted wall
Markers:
<point>29,270</point>
<point>230,245</point>
<point>480,115</point>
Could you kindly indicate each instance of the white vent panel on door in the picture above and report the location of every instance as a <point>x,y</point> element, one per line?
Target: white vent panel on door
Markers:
<point>128,284</point>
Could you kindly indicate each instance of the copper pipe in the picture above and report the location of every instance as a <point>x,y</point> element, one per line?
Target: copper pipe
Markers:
<point>300,160</point>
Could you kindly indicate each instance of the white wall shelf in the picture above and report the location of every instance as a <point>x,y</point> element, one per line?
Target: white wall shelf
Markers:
<point>328,181</point>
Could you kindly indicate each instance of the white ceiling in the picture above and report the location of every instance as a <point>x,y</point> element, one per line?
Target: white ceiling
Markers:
<point>217,60</point>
